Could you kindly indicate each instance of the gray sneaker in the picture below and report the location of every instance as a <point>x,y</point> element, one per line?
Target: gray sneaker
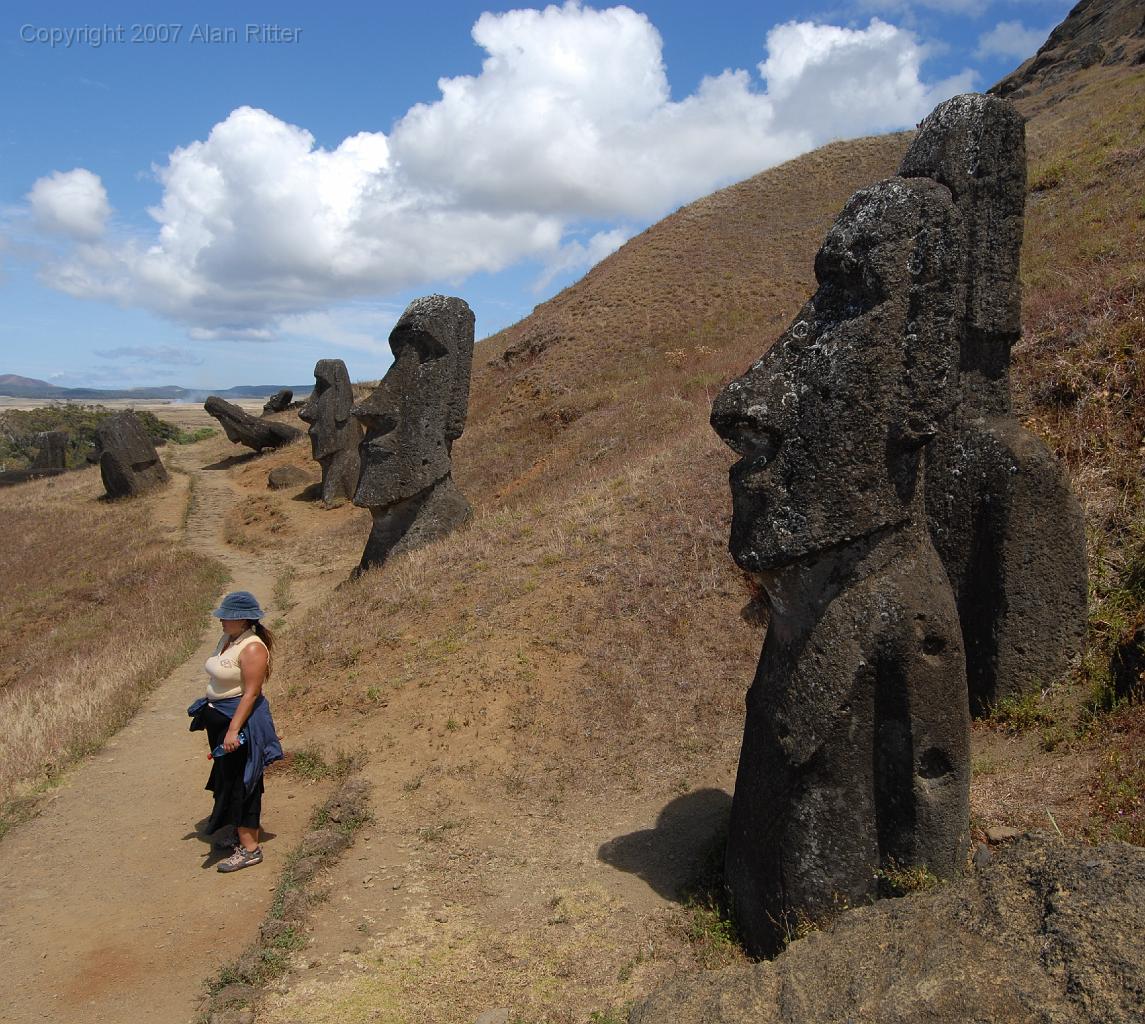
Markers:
<point>241,859</point>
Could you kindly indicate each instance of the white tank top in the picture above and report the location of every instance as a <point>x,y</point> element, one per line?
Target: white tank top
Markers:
<point>224,676</point>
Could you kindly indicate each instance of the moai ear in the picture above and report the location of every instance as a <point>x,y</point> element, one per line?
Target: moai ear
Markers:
<point>931,334</point>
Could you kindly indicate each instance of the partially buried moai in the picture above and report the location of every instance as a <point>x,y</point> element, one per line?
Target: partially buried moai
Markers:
<point>412,419</point>
<point>855,752</point>
<point>334,431</point>
<point>128,462</point>
<point>1009,530</point>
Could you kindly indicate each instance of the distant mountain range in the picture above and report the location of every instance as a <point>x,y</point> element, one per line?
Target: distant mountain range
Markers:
<point>14,386</point>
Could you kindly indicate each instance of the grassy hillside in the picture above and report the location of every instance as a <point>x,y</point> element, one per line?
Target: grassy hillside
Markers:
<point>579,653</point>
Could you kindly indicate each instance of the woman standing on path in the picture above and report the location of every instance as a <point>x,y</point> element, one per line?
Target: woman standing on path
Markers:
<point>236,716</point>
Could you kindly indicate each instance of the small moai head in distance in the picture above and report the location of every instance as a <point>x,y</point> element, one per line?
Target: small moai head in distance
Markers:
<point>418,410</point>
<point>328,409</point>
<point>831,420</point>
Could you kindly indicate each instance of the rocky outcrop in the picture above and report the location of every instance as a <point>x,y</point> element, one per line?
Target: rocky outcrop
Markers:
<point>128,462</point>
<point>1008,528</point>
<point>278,402</point>
<point>242,428</point>
<point>856,742</point>
<point>412,419</point>
<point>1094,32</point>
<point>1047,932</point>
<point>334,432</point>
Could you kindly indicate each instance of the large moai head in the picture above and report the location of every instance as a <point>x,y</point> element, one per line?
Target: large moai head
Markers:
<point>328,410</point>
<point>975,145</point>
<point>128,461</point>
<point>831,420</point>
<point>413,417</point>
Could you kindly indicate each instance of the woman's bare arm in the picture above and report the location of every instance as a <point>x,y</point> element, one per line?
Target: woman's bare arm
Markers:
<point>253,660</point>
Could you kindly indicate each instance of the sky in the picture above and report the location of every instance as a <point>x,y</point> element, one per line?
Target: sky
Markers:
<point>210,199</point>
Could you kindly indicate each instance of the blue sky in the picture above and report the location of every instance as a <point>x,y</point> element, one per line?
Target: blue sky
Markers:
<point>209,199</point>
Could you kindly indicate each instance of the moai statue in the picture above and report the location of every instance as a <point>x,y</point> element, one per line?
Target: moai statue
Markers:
<point>278,402</point>
<point>53,450</point>
<point>1002,516</point>
<point>334,433</point>
<point>412,419</point>
<point>243,428</point>
<point>128,462</point>
<point>855,752</point>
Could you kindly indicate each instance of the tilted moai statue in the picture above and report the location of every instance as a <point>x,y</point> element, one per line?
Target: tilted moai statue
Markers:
<point>243,428</point>
<point>855,752</point>
<point>1009,530</point>
<point>128,461</point>
<point>278,402</point>
<point>334,432</point>
<point>412,419</point>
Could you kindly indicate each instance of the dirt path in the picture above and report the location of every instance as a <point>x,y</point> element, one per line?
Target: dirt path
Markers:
<point>110,907</point>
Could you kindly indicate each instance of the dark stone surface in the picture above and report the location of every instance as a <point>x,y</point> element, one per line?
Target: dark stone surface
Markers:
<point>128,462</point>
<point>278,402</point>
<point>1003,518</point>
<point>283,477</point>
<point>856,742</point>
<point>334,432</point>
<point>1127,664</point>
<point>1082,38</point>
<point>412,419</point>
<point>242,428</point>
<point>1046,932</point>
<point>52,450</point>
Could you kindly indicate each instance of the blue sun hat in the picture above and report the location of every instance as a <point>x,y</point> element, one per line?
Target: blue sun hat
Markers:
<point>239,604</point>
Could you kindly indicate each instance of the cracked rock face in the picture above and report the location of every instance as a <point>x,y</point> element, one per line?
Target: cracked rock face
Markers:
<point>128,462</point>
<point>1047,932</point>
<point>411,421</point>
<point>1008,528</point>
<point>334,432</point>
<point>855,754</point>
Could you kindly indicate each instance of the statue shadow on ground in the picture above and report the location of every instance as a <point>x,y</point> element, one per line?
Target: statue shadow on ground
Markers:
<point>212,855</point>
<point>233,460</point>
<point>684,844</point>
<point>311,493</point>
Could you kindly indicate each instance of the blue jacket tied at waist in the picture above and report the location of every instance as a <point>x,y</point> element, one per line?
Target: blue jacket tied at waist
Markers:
<point>263,739</point>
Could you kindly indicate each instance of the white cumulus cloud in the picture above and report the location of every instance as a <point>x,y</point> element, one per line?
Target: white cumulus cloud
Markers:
<point>1011,39</point>
<point>569,122</point>
<point>71,202</point>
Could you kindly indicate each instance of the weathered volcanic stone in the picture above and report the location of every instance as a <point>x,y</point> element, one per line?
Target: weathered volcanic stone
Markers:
<point>334,432</point>
<point>53,450</point>
<point>242,428</point>
<point>282,477</point>
<point>1002,516</point>
<point>278,402</point>
<point>128,462</point>
<point>1046,933</point>
<point>856,741</point>
<point>412,419</point>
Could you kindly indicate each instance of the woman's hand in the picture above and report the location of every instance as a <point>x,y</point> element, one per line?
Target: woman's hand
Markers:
<point>231,740</point>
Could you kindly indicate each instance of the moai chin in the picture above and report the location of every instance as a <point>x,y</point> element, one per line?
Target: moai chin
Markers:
<point>412,419</point>
<point>855,752</point>
<point>1002,516</point>
<point>334,432</point>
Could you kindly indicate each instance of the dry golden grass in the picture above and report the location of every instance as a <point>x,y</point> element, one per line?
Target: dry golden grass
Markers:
<point>96,608</point>
<point>578,647</point>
